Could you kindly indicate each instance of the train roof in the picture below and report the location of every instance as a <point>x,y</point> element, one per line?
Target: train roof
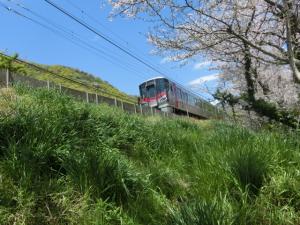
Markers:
<point>154,78</point>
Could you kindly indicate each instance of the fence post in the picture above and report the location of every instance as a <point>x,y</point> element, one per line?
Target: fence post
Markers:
<point>151,111</point>
<point>60,88</point>
<point>116,103</point>
<point>141,109</point>
<point>87,97</point>
<point>187,111</point>
<point>7,78</point>
<point>97,102</point>
<point>135,108</point>
<point>48,85</point>
<point>122,105</point>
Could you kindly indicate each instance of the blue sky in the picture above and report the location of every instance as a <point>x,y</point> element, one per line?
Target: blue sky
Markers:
<point>35,43</point>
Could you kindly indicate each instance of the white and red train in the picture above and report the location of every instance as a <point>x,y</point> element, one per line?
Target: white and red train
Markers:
<point>169,96</point>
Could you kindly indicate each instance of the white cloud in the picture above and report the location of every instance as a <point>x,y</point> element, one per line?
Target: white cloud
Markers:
<point>165,60</point>
<point>201,80</point>
<point>201,65</point>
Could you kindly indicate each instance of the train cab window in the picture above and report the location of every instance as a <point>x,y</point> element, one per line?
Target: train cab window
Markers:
<point>162,85</point>
<point>159,85</point>
<point>167,85</point>
<point>148,90</point>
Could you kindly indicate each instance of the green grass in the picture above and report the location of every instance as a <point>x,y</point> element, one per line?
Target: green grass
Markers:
<point>67,162</point>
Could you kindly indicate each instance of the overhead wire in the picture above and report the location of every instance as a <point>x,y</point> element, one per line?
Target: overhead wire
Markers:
<point>128,45</point>
<point>97,90</point>
<point>95,20</point>
<point>82,11</point>
<point>74,38</point>
<point>107,39</point>
<point>94,31</point>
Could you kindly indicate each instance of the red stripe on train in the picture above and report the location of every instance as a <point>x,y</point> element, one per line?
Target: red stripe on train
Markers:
<point>144,100</point>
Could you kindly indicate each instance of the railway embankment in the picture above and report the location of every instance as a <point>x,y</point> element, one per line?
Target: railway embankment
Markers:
<point>69,162</point>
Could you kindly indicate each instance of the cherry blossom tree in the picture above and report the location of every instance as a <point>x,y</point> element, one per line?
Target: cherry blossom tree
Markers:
<point>267,30</point>
<point>250,41</point>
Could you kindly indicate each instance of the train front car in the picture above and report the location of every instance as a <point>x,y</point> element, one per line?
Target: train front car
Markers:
<point>154,93</point>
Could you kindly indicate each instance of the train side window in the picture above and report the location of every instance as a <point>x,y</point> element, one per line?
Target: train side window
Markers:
<point>184,97</point>
<point>190,100</point>
<point>178,94</point>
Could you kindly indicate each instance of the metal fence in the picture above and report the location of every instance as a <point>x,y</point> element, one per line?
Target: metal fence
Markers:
<point>8,79</point>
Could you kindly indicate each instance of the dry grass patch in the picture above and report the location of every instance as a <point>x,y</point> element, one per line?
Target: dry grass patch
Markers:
<point>7,97</point>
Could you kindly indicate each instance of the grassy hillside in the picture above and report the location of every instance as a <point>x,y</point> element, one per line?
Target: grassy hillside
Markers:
<point>91,81</point>
<point>66,162</point>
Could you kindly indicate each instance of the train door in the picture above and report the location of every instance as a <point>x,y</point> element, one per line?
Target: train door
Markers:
<point>175,94</point>
<point>170,94</point>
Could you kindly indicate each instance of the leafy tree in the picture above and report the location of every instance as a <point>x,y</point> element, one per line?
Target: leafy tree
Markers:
<point>227,98</point>
<point>8,63</point>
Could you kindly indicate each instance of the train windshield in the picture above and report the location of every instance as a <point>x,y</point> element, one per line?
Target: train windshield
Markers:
<point>148,90</point>
<point>162,85</point>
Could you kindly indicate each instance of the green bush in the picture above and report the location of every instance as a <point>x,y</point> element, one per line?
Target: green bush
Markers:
<point>199,213</point>
<point>250,169</point>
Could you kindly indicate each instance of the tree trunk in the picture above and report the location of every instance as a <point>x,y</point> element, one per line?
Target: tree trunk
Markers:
<point>233,113</point>
<point>248,75</point>
<point>261,106</point>
<point>291,36</point>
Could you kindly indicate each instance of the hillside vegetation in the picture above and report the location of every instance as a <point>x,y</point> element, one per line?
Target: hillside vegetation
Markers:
<point>67,162</point>
<point>90,83</point>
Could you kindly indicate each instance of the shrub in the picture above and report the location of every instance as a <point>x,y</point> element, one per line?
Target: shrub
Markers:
<point>67,162</point>
<point>106,174</point>
<point>199,213</point>
<point>249,168</point>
